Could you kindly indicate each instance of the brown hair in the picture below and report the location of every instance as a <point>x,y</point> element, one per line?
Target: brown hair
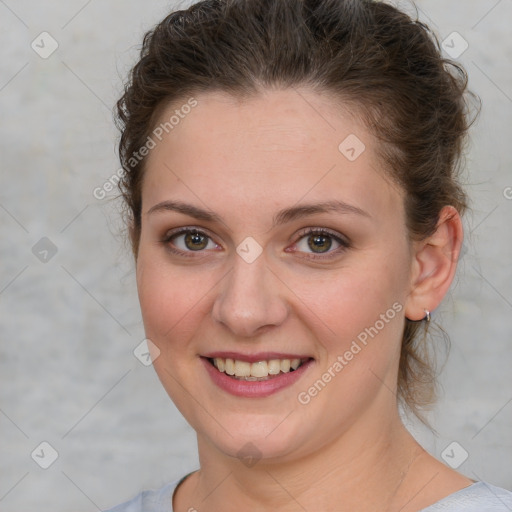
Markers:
<point>367,54</point>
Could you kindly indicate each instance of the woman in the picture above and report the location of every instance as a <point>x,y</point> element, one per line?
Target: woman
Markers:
<point>295,215</point>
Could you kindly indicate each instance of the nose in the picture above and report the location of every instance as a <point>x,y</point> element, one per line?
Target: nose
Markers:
<point>250,299</point>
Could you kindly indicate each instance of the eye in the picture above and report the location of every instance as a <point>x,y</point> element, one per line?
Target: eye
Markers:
<point>188,240</point>
<point>319,242</point>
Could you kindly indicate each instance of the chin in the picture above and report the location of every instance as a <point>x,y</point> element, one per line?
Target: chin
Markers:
<point>240,431</point>
<point>250,445</point>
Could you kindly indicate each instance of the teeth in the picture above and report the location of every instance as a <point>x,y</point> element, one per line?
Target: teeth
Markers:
<point>229,366</point>
<point>242,369</point>
<point>260,369</point>
<point>219,363</point>
<point>285,365</point>
<point>274,366</point>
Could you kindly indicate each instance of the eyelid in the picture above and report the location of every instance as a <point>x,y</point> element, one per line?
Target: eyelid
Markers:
<point>187,229</point>
<point>341,239</point>
<point>184,230</point>
<point>325,231</point>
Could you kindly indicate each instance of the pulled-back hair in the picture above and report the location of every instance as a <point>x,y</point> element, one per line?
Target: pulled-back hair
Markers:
<point>368,55</point>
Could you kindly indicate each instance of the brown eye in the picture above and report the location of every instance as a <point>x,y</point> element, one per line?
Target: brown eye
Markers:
<point>195,241</point>
<point>188,240</point>
<point>319,243</point>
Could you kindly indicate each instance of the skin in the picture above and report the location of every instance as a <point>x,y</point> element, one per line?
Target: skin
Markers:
<point>245,160</point>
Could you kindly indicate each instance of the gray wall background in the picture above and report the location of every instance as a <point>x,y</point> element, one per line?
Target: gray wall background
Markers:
<point>69,324</point>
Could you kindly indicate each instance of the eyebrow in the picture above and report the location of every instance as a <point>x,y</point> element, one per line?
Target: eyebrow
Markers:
<point>282,217</point>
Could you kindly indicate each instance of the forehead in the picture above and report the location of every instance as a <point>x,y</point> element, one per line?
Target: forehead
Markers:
<point>277,147</point>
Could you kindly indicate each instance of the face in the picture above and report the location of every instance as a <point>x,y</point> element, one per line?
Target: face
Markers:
<point>266,237</point>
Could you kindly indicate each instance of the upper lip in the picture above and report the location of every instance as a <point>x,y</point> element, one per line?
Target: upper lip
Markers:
<point>255,357</point>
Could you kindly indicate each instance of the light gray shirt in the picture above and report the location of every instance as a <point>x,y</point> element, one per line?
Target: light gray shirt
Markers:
<point>479,497</point>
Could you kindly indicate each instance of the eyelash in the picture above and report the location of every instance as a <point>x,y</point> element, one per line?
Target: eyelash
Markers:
<point>183,231</point>
<point>344,243</point>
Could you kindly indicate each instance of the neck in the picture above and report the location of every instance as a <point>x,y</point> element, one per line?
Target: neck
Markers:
<point>361,470</point>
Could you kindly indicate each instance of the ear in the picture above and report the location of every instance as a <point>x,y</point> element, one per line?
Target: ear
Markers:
<point>434,265</point>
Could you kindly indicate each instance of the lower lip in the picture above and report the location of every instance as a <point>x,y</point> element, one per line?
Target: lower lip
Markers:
<point>254,389</point>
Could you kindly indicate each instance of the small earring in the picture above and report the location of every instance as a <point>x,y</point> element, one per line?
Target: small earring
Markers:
<point>427,315</point>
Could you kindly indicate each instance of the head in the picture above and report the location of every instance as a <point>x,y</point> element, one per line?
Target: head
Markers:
<point>240,116</point>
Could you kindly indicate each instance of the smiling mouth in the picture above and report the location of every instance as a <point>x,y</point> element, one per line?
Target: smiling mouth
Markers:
<point>258,371</point>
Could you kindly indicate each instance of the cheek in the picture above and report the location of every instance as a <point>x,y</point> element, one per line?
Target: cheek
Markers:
<point>352,301</point>
<point>172,301</point>
<point>359,332</point>
<point>170,297</point>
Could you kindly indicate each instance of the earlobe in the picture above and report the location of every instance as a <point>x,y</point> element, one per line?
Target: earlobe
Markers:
<point>434,265</point>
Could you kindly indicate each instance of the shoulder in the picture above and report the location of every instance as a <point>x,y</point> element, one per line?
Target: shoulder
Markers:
<point>478,497</point>
<point>159,500</point>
